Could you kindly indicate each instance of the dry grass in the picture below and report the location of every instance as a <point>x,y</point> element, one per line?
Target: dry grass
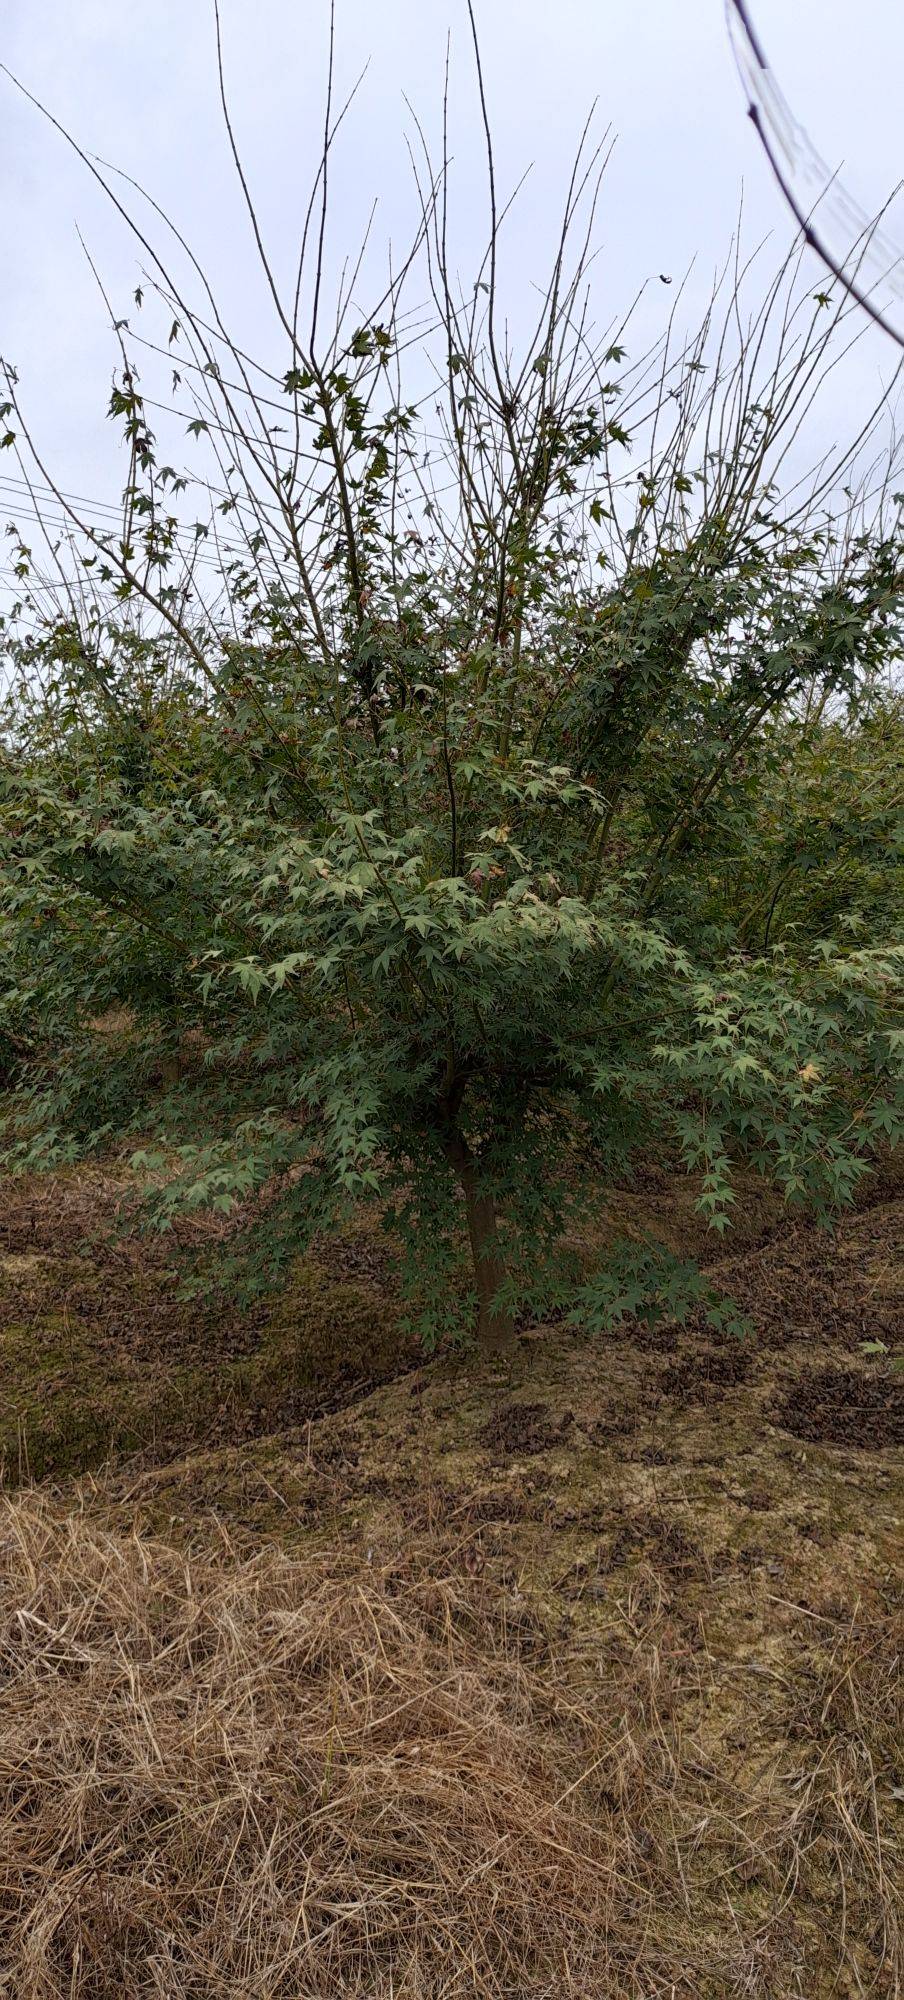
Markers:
<point>322,1775</point>
<point>586,1682</point>
<point>261,1778</point>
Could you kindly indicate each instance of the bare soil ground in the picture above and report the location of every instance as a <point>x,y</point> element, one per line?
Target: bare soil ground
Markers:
<point>578,1678</point>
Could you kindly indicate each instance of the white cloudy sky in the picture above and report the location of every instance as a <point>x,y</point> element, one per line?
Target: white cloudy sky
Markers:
<point>137,85</point>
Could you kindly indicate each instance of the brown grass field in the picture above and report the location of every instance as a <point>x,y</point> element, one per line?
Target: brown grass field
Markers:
<point>328,1671</point>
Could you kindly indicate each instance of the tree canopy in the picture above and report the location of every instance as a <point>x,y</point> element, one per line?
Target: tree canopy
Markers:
<point>484,771</point>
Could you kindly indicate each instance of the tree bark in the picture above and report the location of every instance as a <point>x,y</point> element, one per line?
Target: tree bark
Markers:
<point>495,1326</point>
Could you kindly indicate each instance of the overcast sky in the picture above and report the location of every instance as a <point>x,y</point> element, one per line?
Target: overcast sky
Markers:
<point>137,84</point>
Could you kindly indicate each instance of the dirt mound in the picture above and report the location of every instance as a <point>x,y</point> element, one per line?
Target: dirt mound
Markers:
<point>101,1355</point>
<point>101,1352</point>
<point>839,1285</point>
<point>705,1375</point>
<point>847,1406</point>
<point>520,1430</point>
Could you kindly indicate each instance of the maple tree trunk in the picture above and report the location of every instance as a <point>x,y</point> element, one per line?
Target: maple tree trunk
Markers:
<point>495,1325</point>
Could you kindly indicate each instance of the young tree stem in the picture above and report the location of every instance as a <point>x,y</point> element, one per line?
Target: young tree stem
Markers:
<point>495,1324</point>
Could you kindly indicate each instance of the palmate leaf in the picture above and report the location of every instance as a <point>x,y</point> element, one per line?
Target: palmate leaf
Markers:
<point>647,1282</point>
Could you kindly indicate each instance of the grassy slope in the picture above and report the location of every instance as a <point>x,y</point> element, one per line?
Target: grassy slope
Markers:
<point>99,1354</point>
<point>579,1679</point>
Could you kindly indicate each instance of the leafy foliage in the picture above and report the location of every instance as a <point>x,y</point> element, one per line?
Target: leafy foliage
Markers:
<point>497,812</point>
